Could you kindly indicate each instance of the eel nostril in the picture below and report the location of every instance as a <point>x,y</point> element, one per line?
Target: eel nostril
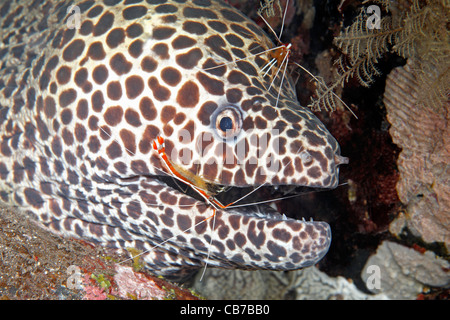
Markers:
<point>338,159</point>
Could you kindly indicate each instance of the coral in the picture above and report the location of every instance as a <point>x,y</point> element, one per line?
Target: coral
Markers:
<point>423,133</point>
<point>92,290</point>
<point>35,264</point>
<point>129,284</point>
<point>413,29</point>
<point>136,285</point>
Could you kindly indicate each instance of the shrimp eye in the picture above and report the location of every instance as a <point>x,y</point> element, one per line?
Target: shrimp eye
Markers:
<point>228,122</point>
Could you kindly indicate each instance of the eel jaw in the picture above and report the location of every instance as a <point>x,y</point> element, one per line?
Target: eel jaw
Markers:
<point>306,242</point>
<point>272,240</point>
<point>260,236</point>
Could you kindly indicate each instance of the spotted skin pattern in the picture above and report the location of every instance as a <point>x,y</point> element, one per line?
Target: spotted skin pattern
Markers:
<point>81,107</point>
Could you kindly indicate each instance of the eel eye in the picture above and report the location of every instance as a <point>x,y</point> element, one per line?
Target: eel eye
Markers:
<point>228,122</point>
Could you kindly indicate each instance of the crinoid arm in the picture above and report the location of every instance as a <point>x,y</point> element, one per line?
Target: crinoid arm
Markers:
<point>412,29</point>
<point>362,47</point>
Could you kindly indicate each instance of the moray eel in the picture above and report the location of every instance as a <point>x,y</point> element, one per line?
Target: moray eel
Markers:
<point>86,87</point>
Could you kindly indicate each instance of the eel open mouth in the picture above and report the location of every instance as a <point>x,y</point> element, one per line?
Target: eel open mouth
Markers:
<point>228,196</point>
<point>265,201</point>
<point>258,236</point>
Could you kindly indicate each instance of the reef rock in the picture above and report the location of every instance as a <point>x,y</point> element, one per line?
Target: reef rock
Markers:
<point>400,272</point>
<point>305,284</point>
<point>423,133</point>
